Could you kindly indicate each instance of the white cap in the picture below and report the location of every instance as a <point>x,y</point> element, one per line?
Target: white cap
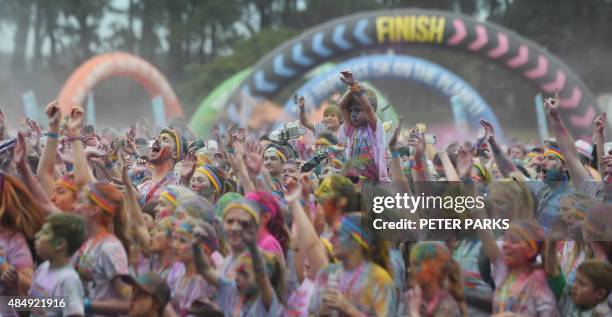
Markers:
<point>585,148</point>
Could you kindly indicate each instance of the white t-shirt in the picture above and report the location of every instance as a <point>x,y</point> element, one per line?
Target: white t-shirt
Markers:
<point>58,282</point>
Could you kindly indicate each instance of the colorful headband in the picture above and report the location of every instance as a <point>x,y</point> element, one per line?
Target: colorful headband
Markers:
<point>348,227</point>
<point>484,172</point>
<point>170,196</point>
<point>323,142</point>
<point>226,199</point>
<point>277,152</point>
<point>177,141</point>
<point>97,197</point>
<point>526,237</point>
<point>66,182</point>
<point>554,152</point>
<point>245,205</point>
<point>212,176</point>
<point>267,202</point>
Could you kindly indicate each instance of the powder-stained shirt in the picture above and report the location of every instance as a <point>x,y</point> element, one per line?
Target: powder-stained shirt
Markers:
<point>297,304</point>
<point>368,287</point>
<point>63,282</point>
<point>268,243</point>
<point>367,143</point>
<point>230,303</point>
<point>17,254</point>
<point>186,290</point>
<point>527,293</point>
<point>98,264</point>
<point>150,191</point>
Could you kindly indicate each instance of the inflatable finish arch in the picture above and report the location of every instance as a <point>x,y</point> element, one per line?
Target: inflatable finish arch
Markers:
<point>413,26</point>
<point>101,67</point>
<point>403,67</point>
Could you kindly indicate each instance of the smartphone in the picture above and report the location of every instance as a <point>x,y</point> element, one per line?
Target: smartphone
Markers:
<point>430,139</point>
<point>608,148</point>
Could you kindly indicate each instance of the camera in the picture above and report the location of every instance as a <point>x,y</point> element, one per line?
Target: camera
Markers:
<point>320,154</point>
<point>287,131</point>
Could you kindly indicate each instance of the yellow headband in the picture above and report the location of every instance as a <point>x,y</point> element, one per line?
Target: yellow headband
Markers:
<point>278,153</point>
<point>169,197</point>
<point>177,141</point>
<point>242,206</point>
<point>553,152</point>
<point>523,233</point>
<point>212,178</point>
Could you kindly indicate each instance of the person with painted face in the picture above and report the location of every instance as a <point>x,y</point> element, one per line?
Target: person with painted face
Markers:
<point>208,182</point>
<point>275,157</point>
<point>167,149</point>
<point>336,195</point>
<point>358,285</point>
<point>552,185</point>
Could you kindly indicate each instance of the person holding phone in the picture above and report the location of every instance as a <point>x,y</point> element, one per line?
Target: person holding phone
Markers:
<point>362,133</point>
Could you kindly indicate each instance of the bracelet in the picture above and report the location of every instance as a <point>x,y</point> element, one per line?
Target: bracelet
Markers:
<point>109,165</point>
<point>87,304</point>
<point>74,138</point>
<point>358,89</point>
<point>418,167</point>
<point>231,151</point>
<point>52,135</point>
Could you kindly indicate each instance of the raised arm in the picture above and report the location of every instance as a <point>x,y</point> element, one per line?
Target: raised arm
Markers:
<point>133,208</point>
<point>46,165</point>
<point>303,117</point>
<point>599,139</point>
<point>464,168</point>
<point>204,267</point>
<point>576,170</point>
<point>308,241</point>
<point>395,166</point>
<point>505,165</point>
<point>82,172</point>
<point>23,167</point>
<point>358,90</point>
<point>343,105</point>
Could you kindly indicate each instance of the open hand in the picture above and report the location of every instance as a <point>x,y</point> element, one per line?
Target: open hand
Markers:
<point>20,153</point>
<point>488,129</point>
<point>417,141</point>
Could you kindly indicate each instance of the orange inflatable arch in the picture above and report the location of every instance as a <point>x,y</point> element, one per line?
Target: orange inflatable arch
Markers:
<point>102,67</point>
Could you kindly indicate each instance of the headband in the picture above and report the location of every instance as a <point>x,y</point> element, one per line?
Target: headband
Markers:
<point>177,141</point>
<point>245,205</point>
<point>224,201</point>
<point>347,226</point>
<point>170,196</point>
<point>485,172</point>
<point>66,182</point>
<point>277,152</point>
<point>96,196</point>
<point>530,233</point>
<point>265,201</point>
<point>212,176</point>
<point>430,251</point>
<point>554,152</point>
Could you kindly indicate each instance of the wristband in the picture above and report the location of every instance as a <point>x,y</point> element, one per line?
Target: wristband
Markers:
<point>87,304</point>
<point>395,154</point>
<point>69,167</point>
<point>358,89</point>
<point>74,138</point>
<point>231,151</point>
<point>52,135</point>
<point>418,167</point>
<point>109,165</point>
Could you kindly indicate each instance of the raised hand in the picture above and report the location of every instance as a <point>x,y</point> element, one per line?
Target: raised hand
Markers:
<point>75,123</point>
<point>489,131</point>
<point>600,123</point>
<point>301,103</point>
<point>54,115</point>
<point>417,141</point>
<point>348,78</point>
<point>188,165</point>
<point>464,162</point>
<point>20,153</point>
<point>552,107</point>
<point>254,157</point>
<point>393,142</point>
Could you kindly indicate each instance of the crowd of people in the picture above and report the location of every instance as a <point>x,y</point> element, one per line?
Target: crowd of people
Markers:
<point>241,224</point>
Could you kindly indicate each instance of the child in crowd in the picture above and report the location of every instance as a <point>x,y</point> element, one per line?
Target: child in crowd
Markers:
<point>332,119</point>
<point>61,236</point>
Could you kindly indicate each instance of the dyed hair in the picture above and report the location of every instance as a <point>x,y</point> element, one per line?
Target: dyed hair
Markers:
<point>599,273</point>
<point>70,227</point>
<point>197,207</point>
<point>117,218</point>
<point>268,203</point>
<point>176,194</point>
<point>18,208</point>
<point>437,262</point>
